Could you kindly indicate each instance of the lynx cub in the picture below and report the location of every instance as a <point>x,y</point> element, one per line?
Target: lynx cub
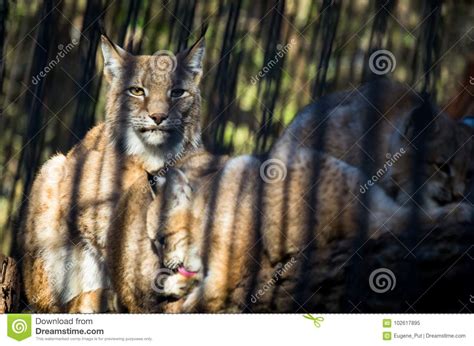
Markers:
<point>168,221</point>
<point>206,226</point>
<point>152,111</point>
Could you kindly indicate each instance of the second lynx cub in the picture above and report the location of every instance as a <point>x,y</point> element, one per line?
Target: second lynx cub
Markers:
<point>169,215</point>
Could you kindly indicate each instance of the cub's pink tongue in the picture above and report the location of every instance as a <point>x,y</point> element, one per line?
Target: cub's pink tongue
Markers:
<point>186,273</point>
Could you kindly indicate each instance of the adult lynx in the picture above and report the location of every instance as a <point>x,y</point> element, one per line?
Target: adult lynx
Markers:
<point>339,124</point>
<point>152,111</point>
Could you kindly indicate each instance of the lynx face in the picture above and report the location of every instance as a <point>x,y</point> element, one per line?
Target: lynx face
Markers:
<point>446,163</point>
<point>153,106</point>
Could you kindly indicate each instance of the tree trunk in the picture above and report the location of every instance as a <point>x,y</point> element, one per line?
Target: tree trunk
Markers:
<point>9,285</point>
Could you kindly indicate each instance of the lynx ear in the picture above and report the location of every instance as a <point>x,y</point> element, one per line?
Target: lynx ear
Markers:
<point>114,57</point>
<point>425,118</point>
<point>192,58</point>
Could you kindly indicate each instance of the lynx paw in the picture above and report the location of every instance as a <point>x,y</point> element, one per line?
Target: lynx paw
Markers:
<point>191,302</point>
<point>176,286</point>
<point>453,213</point>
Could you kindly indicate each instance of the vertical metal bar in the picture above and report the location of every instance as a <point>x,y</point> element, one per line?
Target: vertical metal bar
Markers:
<point>84,117</point>
<point>329,23</point>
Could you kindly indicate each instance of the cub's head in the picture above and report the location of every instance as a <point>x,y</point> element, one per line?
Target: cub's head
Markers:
<point>446,163</point>
<point>153,101</point>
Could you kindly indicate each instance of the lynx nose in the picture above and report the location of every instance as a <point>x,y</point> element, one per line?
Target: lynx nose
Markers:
<point>158,117</point>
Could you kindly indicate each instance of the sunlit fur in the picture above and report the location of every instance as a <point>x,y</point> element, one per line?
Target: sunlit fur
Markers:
<point>73,199</point>
<point>232,217</point>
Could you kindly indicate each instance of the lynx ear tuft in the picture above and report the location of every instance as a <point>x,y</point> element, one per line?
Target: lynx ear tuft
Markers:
<point>195,55</point>
<point>192,58</point>
<point>114,57</point>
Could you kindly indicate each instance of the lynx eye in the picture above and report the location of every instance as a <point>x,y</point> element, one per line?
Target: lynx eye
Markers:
<point>136,91</point>
<point>442,167</point>
<point>161,240</point>
<point>469,178</point>
<point>177,93</point>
